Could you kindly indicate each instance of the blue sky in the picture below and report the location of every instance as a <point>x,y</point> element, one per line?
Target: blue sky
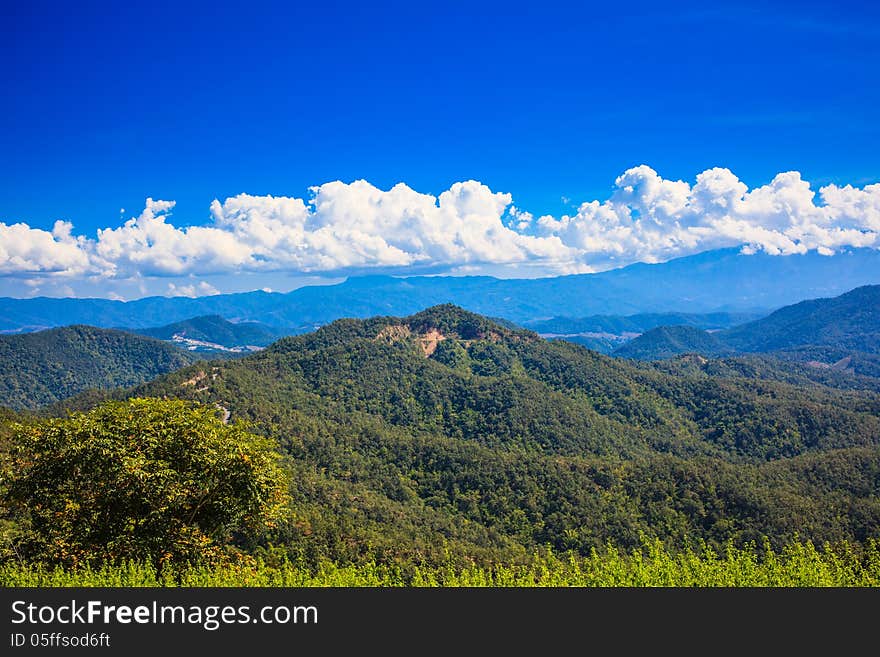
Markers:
<point>107,105</point>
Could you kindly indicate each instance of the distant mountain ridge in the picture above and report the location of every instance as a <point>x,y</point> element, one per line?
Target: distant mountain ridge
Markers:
<point>213,333</point>
<point>638,323</point>
<point>830,329</point>
<point>849,321</point>
<point>607,333</point>
<point>722,280</point>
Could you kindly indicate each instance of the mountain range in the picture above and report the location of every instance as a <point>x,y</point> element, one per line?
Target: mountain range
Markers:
<point>723,280</point>
<point>444,433</point>
<point>606,333</point>
<point>820,331</point>
<point>831,338</point>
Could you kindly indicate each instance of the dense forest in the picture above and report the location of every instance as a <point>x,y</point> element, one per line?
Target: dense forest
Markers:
<point>445,435</point>
<point>841,332</point>
<point>47,366</point>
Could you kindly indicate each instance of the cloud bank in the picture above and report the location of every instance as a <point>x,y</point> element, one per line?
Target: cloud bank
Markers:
<point>355,227</point>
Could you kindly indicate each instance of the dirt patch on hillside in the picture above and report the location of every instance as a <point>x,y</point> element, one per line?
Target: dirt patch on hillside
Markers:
<point>429,341</point>
<point>191,382</point>
<point>393,333</point>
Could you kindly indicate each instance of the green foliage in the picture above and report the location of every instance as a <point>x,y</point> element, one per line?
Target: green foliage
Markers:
<point>158,480</point>
<point>493,445</point>
<point>40,368</point>
<point>667,341</point>
<point>799,564</point>
<point>444,437</point>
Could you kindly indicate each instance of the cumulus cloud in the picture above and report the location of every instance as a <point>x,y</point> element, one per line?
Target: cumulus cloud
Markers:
<point>352,227</point>
<point>648,218</point>
<point>356,226</point>
<point>200,289</point>
<point>26,250</point>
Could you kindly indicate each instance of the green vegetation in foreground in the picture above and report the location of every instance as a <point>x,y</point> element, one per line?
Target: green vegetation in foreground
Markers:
<point>796,565</point>
<point>147,479</point>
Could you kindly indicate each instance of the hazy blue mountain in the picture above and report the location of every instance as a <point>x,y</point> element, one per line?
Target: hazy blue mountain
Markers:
<point>606,333</point>
<point>623,324</point>
<point>714,281</point>
<point>46,366</point>
<point>604,345</point>
<point>213,333</point>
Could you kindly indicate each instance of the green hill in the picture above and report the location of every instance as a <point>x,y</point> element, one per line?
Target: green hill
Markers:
<point>841,333</point>
<point>444,433</point>
<point>213,333</point>
<point>669,341</point>
<point>43,367</point>
<point>850,322</point>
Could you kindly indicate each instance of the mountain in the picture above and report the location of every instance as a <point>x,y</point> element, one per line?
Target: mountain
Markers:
<point>212,333</point>
<point>842,332</point>
<point>850,321</point>
<point>444,435</point>
<point>723,280</point>
<point>43,367</point>
<point>621,325</point>
<point>606,333</point>
<point>850,373</point>
<point>669,341</point>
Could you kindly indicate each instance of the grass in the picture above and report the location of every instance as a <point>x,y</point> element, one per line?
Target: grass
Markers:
<point>799,564</point>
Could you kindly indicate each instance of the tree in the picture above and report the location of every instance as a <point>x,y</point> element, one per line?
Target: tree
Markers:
<point>163,480</point>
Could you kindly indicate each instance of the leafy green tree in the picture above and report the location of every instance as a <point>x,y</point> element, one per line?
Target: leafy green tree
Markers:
<point>163,480</point>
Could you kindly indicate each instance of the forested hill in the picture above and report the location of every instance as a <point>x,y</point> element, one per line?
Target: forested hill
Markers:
<point>669,341</point>
<point>214,330</point>
<point>446,431</point>
<point>824,331</point>
<point>850,321</point>
<point>40,368</point>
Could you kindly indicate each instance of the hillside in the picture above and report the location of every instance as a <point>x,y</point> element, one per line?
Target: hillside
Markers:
<point>43,367</point>
<point>213,333</point>
<point>841,333</point>
<point>850,321</point>
<point>634,324</point>
<point>723,280</point>
<point>446,433</point>
<point>606,333</point>
<point>669,341</point>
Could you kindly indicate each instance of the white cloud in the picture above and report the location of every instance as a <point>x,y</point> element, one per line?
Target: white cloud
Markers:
<point>201,289</point>
<point>651,219</point>
<point>26,250</point>
<point>353,227</point>
<point>358,226</point>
